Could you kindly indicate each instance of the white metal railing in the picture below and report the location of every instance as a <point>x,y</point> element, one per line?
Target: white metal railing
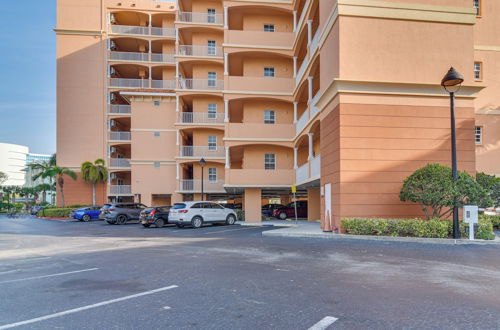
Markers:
<point>210,84</point>
<point>302,121</point>
<point>128,56</point>
<point>120,108</point>
<point>206,18</point>
<point>314,108</point>
<point>163,84</point>
<point>302,70</point>
<point>316,166</point>
<point>163,32</point>
<point>197,50</point>
<point>302,173</point>
<point>129,83</point>
<point>199,151</point>
<point>314,42</point>
<point>120,136</point>
<point>120,189</point>
<point>201,118</point>
<point>195,185</point>
<point>162,58</point>
<point>302,15</point>
<point>119,162</point>
<point>143,30</point>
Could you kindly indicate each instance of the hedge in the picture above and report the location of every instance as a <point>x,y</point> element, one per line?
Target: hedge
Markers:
<point>55,212</point>
<point>240,214</point>
<point>433,228</point>
<point>495,220</point>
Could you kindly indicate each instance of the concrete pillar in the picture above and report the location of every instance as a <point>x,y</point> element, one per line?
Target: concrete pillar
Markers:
<point>295,112</point>
<point>313,204</point>
<point>228,164</point>
<point>176,198</point>
<point>197,197</point>
<point>295,151</point>
<point>177,102</point>
<point>310,90</point>
<point>253,207</point>
<point>294,21</point>
<point>285,199</point>
<point>226,19</point>
<point>311,153</point>
<point>177,137</point>
<point>226,64</point>
<point>295,66</point>
<point>226,111</point>
<point>309,32</point>
<point>177,171</point>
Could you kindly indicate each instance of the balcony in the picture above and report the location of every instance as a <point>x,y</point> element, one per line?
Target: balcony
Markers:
<point>200,51</point>
<point>192,186</point>
<point>201,84</point>
<point>265,177</point>
<point>206,152</point>
<point>120,136</point>
<point>259,38</point>
<point>200,118</point>
<point>302,122</point>
<point>200,18</point>
<point>143,31</point>
<point>128,56</point>
<point>302,70</point>
<point>264,131</point>
<point>309,171</point>
<point>119,163</point>
<point>162,58</point>
<point>260,84</point>
<point>314,43</point>
<point>163,84</point>
<point>141,83</point>
<point>119,109</point>
<point>312,106</point>
<point>120,189</point>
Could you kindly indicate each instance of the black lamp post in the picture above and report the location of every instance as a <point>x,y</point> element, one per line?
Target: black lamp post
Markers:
<point>451,83</point>
<point>202,163</point>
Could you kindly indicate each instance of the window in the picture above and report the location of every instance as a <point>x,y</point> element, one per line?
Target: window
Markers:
<point>478,70</point>
<point>269,117</point>
<point>156,103</point>
<point>212,79</point>
<point>212,142</point>
<point>268,72</point>
<point>477,5</point>
<point>156,134</point>
<point>270,161</point>
<point>269,28</point>
<point>479,135</point>
<point>157,164</point>
<point>120,182</point>
<point>211,48</point>
<point>212,111</point>
<point>212,174</point>
<point>210,15</point>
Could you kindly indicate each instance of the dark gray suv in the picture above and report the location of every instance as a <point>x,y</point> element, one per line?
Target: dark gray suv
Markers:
<point>121,213</point>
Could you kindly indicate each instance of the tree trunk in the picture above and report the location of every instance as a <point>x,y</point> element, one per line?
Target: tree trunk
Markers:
<point>60,181</point>
<point>93,194</point>
<point>44,196</point>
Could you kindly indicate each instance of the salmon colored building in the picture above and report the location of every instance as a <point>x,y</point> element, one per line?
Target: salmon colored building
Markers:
<point>340,98</point>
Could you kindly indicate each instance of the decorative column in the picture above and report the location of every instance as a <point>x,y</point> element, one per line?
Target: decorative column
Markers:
<point>226,111</point>
<point>177,137</point>
<point>177,171</point>
<point>295,66</point>
<point>309,32</point>
<point>228,164</point>
<point>295,111</point>
<point>177,102</point>
<point>310,136</point>
<point>226,25</point>
<point>295,156</point>
<point>294,21</point>
<point>310,91</point>
<point>226,64</point>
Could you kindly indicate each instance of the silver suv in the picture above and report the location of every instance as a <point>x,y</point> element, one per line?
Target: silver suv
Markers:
<point>121,213</point>
<point>197,213</point>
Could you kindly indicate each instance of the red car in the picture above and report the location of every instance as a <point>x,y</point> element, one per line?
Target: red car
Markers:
<point>288,211</point>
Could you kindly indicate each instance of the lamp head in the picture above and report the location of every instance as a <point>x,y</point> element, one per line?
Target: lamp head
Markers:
<point>452,78</point>
<point>203,162</point>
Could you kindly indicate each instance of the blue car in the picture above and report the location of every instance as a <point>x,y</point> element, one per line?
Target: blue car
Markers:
<point>86,213</point>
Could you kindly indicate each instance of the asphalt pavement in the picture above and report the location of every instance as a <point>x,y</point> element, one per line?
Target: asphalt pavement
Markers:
<point>76,275</point>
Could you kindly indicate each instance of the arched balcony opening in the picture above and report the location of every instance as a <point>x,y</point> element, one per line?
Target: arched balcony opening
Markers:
<point>163,77</point>
<point>128,76</point>
<point>196,110</point>
<point>201,75</point>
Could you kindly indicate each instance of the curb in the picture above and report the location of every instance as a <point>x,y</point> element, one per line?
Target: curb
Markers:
<point>273,233</point>
<point>263,224</point>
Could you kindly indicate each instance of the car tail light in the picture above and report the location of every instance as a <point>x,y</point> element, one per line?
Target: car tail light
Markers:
<point>110,209</point>
<point>152,213</point>
<point>183,211</point>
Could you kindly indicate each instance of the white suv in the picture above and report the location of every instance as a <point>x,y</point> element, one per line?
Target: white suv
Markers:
<point>197,213</point>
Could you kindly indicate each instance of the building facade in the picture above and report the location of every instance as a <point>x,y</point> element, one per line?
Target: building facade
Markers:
<point>340,98</point>
<point>13,162</point>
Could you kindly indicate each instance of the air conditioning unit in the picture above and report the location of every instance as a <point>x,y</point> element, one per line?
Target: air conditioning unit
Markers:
<point>112,45</point>
<point>112,123</point>
<point>112,150</point>
<point>112,97</point>
<point>112,71</point>
<point>112,176</point>
<point>112,18</point>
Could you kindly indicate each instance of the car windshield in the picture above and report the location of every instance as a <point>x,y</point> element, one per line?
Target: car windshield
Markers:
<point>106,206</point>
<point>178,206</point>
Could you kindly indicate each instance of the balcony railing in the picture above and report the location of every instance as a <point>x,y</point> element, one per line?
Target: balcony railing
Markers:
<point>201,118</point>
<point>119,162</point>
<point>316,166</point>
<point>118,109</point>
<point>120,189</point>
<point>204,18</point>
<point>311,169</point>
<point>190,50</point>
<point>120,136</point>
<point>302,122</point>
<point>128,56</point>
<point>303,15</point>
<point>314,108</point>
<point>162,58</point>
<point>302,173</point>
<point>203,84</point>
<point>302,70</point>
<point>199,151</point>
<point>143,30</point>
<point>195,185</point>
<point>163,84</point>
<point>314,42</point>
<point>128,83</point>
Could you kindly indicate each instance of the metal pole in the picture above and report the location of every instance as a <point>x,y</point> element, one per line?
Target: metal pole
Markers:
<point>295,206</point>
<point>456,231</point>
<point>202,183</point>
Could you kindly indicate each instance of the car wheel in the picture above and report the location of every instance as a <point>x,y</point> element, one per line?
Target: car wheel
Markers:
<point>179,225</point>
<point>230,220</point>
<point>159,223</point>
<point>282,215</point>
<point>121,219</point>
<point>86,218</point>
<point>197,222</point>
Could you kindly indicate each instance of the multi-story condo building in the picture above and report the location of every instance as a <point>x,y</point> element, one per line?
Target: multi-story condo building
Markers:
<point>340,98</point>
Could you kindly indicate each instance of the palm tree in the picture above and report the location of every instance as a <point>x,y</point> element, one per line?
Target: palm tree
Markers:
<point>59,173</point>
<point>43,188</point>
<point>44,170</point>
<point>94,174</point>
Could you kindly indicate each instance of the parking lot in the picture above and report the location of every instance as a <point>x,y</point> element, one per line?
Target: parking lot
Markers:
<point>76,275</point>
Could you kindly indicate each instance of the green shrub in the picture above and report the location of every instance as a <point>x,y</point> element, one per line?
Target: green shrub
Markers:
<point>433,228</point>
<point>240,214</point>
<point>55,212</point>
<point>77,206</point>
<point>495,220</point>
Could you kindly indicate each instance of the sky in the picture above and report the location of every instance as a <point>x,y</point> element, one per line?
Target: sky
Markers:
<point>28,74</point>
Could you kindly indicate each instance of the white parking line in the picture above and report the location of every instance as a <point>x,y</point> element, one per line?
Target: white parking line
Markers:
<point>323,324</point>
<point>51,275</point>
<point>79,309</point>
<point>221,231</point>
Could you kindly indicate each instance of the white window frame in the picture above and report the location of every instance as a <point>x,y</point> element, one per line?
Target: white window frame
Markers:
<point>212,82</point>
<point>478,70</point>
<point>156,134</point>
<point>212,50</point>
<point>268,70</point>
<point>156,103</point>
<point>269,161</point>
<point>212,145</point>
<point>120,182</point>
<point>269,117</point>
<point>212,111</point>
<point>212,174</point>
<point>478,134</point>
<point>477,4</point>
<point>211,15</point>
<point>156,164</point>
<point>269,27</point>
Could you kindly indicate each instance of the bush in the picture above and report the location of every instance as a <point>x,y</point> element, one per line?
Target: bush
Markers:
<point>55,212</point>
<point>495,220</point>
<point>240,214</point>
<point>433,228</point>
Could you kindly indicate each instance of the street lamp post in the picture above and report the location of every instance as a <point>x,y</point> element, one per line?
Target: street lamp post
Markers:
<point>202,164</point>
<point>451,83</point>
